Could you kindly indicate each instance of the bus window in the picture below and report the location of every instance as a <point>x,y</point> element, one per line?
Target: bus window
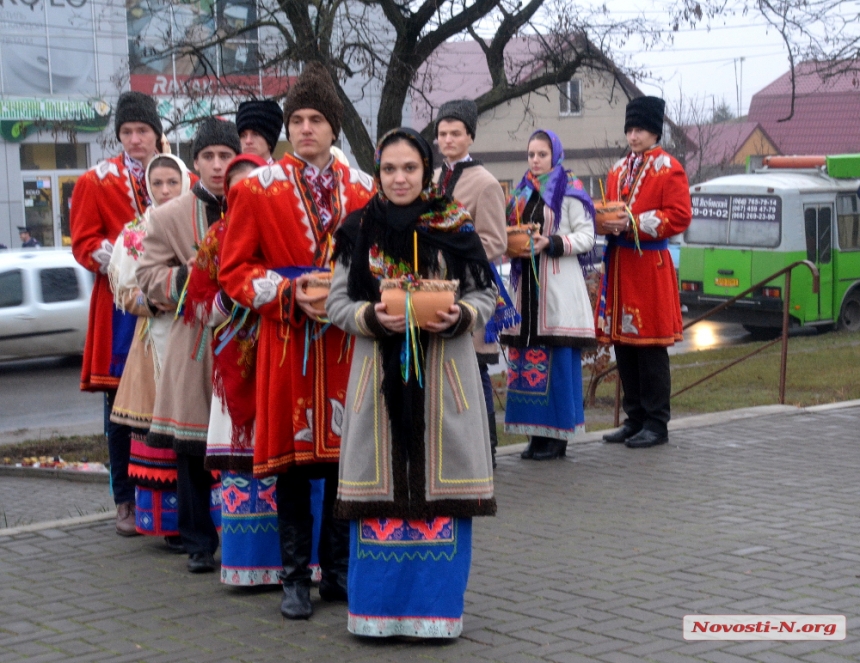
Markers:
<point>810,222</point>
<point>825,222</point>
<point>848,222</point>
<point>755,221</point>
<point>817,224</point>
<point>735,220</point>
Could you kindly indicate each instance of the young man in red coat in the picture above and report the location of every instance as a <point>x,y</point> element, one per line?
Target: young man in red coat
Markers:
<point>287,214</point>
<point>638,309</point>
<point>105,198</point>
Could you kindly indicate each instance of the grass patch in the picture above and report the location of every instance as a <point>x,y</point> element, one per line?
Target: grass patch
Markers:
<point>821,369</point>
<point>76,448</point>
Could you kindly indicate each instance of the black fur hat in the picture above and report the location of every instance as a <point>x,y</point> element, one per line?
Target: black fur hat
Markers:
<point>213,131</point>
<point>265,117</point>
<point>645,113</point>
<point>137,107</point>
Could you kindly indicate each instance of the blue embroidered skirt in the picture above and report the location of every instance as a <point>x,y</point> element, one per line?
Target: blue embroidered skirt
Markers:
<point>408,577</point>
<point>545,392</point>
<point>155,512</point>
<point>250,547</point>
<point>250,550</point>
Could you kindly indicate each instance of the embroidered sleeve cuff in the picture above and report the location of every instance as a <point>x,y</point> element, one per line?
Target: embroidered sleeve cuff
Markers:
<point>224,303</point>
<point>366,317</point>
<point>555,248</point>
<point>468,315</point>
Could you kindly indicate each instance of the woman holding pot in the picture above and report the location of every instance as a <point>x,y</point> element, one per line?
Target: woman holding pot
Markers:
<point>415,462</point>
<point>544,366</point>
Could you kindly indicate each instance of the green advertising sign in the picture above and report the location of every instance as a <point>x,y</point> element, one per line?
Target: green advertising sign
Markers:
<point>21,117</point>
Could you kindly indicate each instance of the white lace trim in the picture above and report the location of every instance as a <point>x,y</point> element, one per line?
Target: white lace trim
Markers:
<point>417,627</point>
<point>266,288</point>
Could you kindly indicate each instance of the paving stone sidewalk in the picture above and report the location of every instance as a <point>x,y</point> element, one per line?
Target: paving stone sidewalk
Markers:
<point>594,558</point>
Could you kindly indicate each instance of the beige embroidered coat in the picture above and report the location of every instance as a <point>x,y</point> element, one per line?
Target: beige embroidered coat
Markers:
<point>457,472</point>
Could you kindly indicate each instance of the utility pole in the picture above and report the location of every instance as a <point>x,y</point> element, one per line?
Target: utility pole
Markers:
<point>739,84</point>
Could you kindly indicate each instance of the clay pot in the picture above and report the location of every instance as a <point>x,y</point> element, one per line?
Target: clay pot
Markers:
<point>519,236</point>
<point>428,296</point>
<point>611,211</point>
<point>316,287</point>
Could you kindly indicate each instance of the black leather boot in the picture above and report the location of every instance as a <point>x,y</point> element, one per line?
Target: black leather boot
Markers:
<point>295,532</point>
<point>494,438</point>
<point>334,559</point>
<point>551,449</point>
<point>295,576</point>
<point>536,449</point>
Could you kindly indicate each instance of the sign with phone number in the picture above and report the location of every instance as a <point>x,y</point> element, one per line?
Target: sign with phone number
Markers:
<point>739,208</point>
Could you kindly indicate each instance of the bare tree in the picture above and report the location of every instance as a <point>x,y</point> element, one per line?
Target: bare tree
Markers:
<point>385,43</point>
<point>824,32</point>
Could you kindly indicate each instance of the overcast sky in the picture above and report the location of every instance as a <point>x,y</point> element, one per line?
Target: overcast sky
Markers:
<point>702,62</point>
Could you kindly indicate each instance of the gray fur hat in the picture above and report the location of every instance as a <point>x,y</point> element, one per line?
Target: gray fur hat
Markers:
<point>213,131</point>
<point>464,110</point>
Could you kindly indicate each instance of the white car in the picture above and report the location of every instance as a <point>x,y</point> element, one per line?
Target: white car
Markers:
<point>44,303</point>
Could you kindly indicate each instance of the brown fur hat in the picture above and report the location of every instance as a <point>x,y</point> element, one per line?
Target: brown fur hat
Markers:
<point>315,89</point>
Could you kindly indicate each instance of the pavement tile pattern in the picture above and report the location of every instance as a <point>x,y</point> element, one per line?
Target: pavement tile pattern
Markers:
<point>593,558</point>
<point>26,501</point>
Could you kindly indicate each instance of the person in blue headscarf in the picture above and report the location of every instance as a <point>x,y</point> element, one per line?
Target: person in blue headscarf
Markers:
<point>548,285</point>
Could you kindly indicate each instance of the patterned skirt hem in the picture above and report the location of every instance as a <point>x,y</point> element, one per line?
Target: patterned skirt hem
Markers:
<point>249,577</point>
<point>545,431</point>
<point>418,627</point>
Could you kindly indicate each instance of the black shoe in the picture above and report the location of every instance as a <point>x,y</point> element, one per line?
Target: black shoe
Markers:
<point>201,563</point>
<point>621,435</point>
<point>174,544</point>
<point>646,438</point>
<point>551,450</point>
<point>537,445</point>
<point>296,603</point>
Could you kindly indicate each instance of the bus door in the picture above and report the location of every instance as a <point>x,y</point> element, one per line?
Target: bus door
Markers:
<point>818,230</point>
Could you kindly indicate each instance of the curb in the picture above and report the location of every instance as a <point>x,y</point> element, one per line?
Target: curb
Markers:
<point>705,420</point>
<point>54,473</point>
<point>56,524</point>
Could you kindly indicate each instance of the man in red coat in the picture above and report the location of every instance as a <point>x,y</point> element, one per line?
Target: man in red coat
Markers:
<point>105,198</point>
<point>638,309</point>
<point>287,214</point>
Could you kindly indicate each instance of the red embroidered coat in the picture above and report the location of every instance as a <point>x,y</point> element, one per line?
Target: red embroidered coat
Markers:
<point>105,198</point>
<point>301,377</point>
<point>638,303</point>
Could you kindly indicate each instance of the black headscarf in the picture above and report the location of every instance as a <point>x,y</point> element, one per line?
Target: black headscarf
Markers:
<point>444,227</point>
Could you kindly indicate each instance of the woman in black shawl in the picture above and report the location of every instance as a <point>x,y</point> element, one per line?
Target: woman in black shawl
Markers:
<point>415,454</point>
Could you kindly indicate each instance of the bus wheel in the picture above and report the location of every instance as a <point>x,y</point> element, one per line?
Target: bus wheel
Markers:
<point>849,318</point>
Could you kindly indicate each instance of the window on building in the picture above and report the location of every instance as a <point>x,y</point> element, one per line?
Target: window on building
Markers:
<point>848,222</point>
<point>53,156</point>
<point>570,98</point>
<point>59,284</point>
<point>153,32</point>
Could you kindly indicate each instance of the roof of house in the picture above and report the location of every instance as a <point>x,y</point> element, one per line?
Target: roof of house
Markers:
<point>720,142</point>
<point>458,70</point>
<point>826,116</point>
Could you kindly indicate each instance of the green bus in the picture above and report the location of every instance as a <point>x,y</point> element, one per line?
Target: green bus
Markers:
<point>746,227</point>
